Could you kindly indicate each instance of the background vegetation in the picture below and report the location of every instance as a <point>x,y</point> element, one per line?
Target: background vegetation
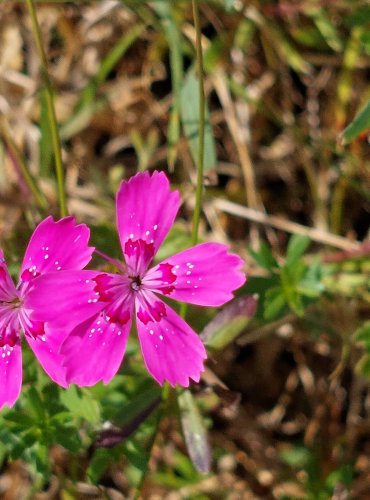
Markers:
<point>283,408</point>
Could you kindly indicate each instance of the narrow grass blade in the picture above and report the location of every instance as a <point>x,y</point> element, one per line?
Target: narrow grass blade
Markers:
<point>278,41</point>
<point>49,103</point>
<point>190,122</point>
<point>325,27</point>
<point>360,124</point>
<point>297,245</point>
<point>195,433</point>
<point>87,104</point>
<point>346,79</point>
<point>164,8</point>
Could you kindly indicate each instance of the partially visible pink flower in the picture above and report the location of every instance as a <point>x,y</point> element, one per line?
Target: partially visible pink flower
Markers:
<point>205,275</point>
<point>54,247</point>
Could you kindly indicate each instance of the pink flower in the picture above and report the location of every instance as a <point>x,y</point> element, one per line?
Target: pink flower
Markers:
<point>54,246</point>
<point>205,275</point>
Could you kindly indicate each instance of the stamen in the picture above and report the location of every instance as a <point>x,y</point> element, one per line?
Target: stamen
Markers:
<point>136,283</point>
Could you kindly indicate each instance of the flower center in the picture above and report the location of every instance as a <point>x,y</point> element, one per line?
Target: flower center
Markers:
<point>11,303</point>
<point>135,283</point>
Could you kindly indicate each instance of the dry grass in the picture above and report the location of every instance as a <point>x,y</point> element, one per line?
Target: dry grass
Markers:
<point>277,107</point>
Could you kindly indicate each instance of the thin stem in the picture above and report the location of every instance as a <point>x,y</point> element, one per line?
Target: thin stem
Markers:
<point>167,393</point>
<point>116,263</point>
<point>20,164</point>
<point>338,205</point>
<point>344,358</point>
<point>51,109</point>
<point>202,104</point>
<point>200,162</point>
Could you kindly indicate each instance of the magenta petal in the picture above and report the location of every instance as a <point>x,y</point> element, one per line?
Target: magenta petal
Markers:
<point>10,373</point>
<point>64,299</point>
<point>146,209</point>
<point>204,275</point>
<point>10,350</point>
<point>46,349</point>
<point>94,351</point>
<point>172,351</point>
<point>7,287</point>
<point>55,246</point>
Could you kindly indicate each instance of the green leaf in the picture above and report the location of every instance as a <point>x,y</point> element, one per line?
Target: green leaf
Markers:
<point>264,257</point>
<point>81,404</point>
<point>309,36</point>
<point>274,303</point>
<point>325,27</point>
<point>296,272</point>
<point>137,449</point>
<point>38,460</point>
<point>230,322</point>
<point>24,442</point>
<point>36,404</point>
<point>290,291</point>
<point>137,457</point>
<point>296,248</point>
<point>195,433</point>
<point>310,289</point>
<point>363,366</point>
<point>61,418</point>
<point>140,405</point>
<point>9,439</point>
<point>20,418</point>
<point>312,285</point>
<point>68,437</point>
<point>362,334</point>
<point>360,123</point>
<point>190,122</point>
<point>98,464</point>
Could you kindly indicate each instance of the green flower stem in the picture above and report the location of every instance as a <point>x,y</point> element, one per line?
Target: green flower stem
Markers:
<point>51,109</point>
<point>169,395</point>
<point>202,105</point>
<point>201,130</point>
